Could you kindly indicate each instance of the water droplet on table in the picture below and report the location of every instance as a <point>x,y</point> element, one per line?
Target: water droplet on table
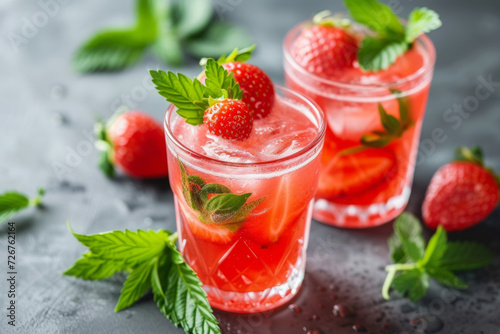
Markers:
<point>343,311</point>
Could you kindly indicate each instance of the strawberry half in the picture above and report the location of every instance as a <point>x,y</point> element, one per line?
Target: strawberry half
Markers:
<point>135,142</point>
<point>461,193</point>
<point>352,173</point>
<point>324,50</point>
<point>257,87</point>
<point>229,119</point>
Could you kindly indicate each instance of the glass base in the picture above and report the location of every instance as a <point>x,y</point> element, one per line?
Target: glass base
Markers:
<point>257,301</point>
<point>360,216</point>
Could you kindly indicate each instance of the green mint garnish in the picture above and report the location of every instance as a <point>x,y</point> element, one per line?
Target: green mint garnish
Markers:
<point>392,38</point>
<point>191,97</point>
<point>152,262</point>
<point>12,202</point>
<point>223,208</point>
<point>237,55</point>
<point>169,28</point>
<point>393,128</point>
<point>415,263</point>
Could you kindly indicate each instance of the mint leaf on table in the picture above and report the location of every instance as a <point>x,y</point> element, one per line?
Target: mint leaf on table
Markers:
<point>391,38</point>
<point>93,267</point>
<point>114,49</point>
<point>169,28</point>
<point>173,280</point>
<point>414,266</point>
<point>12,202</point>
<point>152,262</point>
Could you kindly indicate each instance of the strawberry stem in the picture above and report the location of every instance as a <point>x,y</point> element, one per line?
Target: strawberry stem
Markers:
<point>326,19</point>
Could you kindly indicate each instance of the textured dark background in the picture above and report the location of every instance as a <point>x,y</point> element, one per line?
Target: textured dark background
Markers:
<point>48,111</point>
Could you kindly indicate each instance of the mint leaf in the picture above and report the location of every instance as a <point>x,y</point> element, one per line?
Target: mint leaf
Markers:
<point>93,267</point>
<point>241,215</point>
<point>404,108</point>
<point>389,122</point>
<point>12,202</point>
<point>182,92</point>
<point>435,248</point>
<point>176,288</point>
<point>377,54</point>
<point>218,38</point>
<point>408,231</point>
<point>446,277</point>
<point>178,293</point>
<point>110,50</point>
<point>421,20</point>
<point>414,282</point>
<point>138,282</point>
<point>191,17</point>
<point>224,206</point>
<point>376,16</point>
<point>212,188</point>
<point>128,247</point>
<point>464,255</point>
<point>167,47</point>
<point>218,79</point>
<point>115,49</point>
<point>412,269</point>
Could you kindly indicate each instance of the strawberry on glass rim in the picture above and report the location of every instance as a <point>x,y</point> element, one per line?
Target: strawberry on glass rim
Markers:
<point>370,73</point>
<point>243,165</point>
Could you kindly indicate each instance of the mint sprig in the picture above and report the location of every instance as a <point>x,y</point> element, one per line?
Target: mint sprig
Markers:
<point>191,97</point>
<point>215,203</point>
<point>152,262</point>
<point>12,202</point>
<point>169,28</point>
<point>415,263</point>
<point>391,38</point>
<point>393,128</point>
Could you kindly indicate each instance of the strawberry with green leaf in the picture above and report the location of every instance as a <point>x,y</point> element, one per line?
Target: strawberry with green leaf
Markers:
<point>415,263</point>
<point>217,103</point>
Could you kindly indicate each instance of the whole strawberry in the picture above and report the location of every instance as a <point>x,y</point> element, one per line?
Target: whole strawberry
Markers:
<point>257,87</point>
<point>325,48</point>
<point>461,193</point>
<point>135,142</point>
<point>229,119</point>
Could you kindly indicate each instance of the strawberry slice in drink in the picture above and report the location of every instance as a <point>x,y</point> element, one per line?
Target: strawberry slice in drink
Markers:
<point>267,227</point>
<point>356,172</point>
<point>203,231</point>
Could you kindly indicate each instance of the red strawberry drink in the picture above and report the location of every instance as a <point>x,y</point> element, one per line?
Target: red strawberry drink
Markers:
<point>244,187</point>
<point>374,110</point>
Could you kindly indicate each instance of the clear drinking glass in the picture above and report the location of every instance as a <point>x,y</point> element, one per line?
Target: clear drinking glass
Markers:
<point>259,264</point>
<point>359,186</point>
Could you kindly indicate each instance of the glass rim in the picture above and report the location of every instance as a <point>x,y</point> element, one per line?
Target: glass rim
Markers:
<point>317,139</point>
<point>424,70</point>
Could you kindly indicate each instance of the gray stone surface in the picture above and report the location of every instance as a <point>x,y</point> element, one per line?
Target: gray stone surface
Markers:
<point>48,112</point>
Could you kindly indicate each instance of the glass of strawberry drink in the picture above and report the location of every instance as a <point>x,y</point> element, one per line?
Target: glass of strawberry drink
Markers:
<point>244,179</point>
<point>373,118</point>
